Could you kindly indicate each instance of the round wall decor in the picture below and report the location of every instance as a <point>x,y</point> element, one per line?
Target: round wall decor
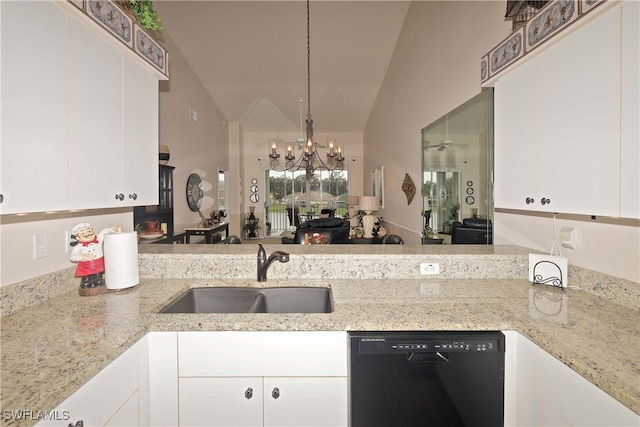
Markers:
<point>194,192</point>
<point>470,200</point>
<point>254,197</point>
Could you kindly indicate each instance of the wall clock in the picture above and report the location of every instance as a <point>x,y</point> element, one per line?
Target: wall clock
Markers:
<point>194,192</point>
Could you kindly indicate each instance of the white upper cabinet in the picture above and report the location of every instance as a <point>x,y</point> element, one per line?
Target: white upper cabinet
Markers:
<point>558,125</point>
<point>34,154</point>
<point>140,136</point>
<point>79,114</point>
<point>95,118</point>
<point>630,114</point>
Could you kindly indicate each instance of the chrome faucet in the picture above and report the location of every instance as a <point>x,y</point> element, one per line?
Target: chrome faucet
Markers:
<point>264,262</point>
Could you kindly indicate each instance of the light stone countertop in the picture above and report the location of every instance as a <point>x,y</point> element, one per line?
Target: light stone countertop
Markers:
<point>51,349</point>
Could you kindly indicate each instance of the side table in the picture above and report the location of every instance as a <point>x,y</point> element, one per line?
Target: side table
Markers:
<point>207,232</point>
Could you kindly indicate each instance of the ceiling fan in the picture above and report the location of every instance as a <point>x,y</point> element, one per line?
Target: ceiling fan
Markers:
<point>446,143</point>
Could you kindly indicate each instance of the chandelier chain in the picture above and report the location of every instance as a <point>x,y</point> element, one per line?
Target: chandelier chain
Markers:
<point>308,63</point>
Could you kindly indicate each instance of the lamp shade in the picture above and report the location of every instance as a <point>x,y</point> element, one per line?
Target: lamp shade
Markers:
<point>352,200</point>
<point>368,203</point>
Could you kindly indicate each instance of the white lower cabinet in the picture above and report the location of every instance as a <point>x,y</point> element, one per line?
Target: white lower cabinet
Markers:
<point>109,398</point>
<point>542,391</point>
<point>269,401</point>
<point>262,378</point>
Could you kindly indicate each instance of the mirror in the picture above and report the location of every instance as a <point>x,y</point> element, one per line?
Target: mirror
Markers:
<point>457,173</point>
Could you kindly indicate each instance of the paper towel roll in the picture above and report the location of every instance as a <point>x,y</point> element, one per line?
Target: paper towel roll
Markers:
<point>121,260</point>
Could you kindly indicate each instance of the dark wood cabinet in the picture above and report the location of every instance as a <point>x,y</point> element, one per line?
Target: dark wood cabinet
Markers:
<point>163,211</point>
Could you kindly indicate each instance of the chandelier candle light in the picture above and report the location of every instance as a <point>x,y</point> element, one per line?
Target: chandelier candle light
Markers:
<point>310,160</point>
<point>368,204</point>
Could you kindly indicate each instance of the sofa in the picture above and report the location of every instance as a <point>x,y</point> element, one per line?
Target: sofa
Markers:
<point>472,231</point>
<point>321,231</point>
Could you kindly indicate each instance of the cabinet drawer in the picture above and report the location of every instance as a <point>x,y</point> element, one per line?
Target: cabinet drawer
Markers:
<point>249,353</point>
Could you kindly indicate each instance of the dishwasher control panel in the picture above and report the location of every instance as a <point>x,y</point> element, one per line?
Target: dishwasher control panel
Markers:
<point>373,344</point>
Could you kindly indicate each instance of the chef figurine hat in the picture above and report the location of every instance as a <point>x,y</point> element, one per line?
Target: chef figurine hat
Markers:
<point>79,227</point>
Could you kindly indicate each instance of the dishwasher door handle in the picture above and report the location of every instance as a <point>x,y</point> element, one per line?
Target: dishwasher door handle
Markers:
<point>428,357</point>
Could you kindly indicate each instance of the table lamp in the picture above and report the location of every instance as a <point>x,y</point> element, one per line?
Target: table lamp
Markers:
<point>368,204</point>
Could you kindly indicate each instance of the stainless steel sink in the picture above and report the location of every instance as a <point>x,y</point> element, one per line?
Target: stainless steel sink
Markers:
<point>297,299</point>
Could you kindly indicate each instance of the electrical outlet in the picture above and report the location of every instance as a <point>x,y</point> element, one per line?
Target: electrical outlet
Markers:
<point>40,246</point>
<point>429,268</point>
<point>568,237</point>
<point>67,241</point>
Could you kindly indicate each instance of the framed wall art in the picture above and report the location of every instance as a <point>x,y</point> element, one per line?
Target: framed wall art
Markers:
<point>377,185</point>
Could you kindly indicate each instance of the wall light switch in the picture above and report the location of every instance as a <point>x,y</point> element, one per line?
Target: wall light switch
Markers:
<point>40,246</point>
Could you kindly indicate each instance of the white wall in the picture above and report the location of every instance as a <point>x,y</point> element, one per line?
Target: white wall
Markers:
<point>435,68</point>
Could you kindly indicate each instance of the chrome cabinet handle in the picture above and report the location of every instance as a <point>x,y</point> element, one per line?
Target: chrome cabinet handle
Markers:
<point>545,201</point>
<point>275,393</point>
<point>248,393</point>
<point>120,197</point>
<point>133,196</point>
<point>530,200</point>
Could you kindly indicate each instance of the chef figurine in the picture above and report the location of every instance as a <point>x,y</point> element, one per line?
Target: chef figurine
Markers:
<point>87,252</point>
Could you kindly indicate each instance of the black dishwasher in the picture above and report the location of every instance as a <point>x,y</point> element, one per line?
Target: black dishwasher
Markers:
<point>426,379</point>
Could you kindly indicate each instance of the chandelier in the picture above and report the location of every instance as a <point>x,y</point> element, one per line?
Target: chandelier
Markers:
<point>310,160</point>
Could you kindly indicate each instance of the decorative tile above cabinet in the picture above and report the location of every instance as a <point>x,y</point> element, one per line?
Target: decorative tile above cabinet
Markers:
<point>549,21</point>
<point>108,15</point>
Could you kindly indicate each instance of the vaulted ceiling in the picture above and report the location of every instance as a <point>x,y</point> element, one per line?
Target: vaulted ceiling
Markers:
<point>251,57</point>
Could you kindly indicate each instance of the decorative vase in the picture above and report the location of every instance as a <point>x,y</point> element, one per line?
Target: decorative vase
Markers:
<point>163,154</point>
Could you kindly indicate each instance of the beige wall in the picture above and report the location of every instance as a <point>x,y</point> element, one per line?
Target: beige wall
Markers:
<point>16,240</point>
<point>257,161</point>
<point>196,146</point>
<point>435,68</point>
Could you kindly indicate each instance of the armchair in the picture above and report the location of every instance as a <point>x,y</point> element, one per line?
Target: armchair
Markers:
<point>470,231</point>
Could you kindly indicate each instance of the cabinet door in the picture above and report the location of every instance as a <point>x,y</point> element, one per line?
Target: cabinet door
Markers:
<point>517,152</point>
<point>95,119</point>
<point>225,401</point>
<point>306,401</point>
<point>569,396</point>
<point>580,119</point>
<point>34,154</point>
<point>630,132</point>
<point>104,395</point>
<point>127,415</point>
<point>140,136</point>
<point>557,117</point>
